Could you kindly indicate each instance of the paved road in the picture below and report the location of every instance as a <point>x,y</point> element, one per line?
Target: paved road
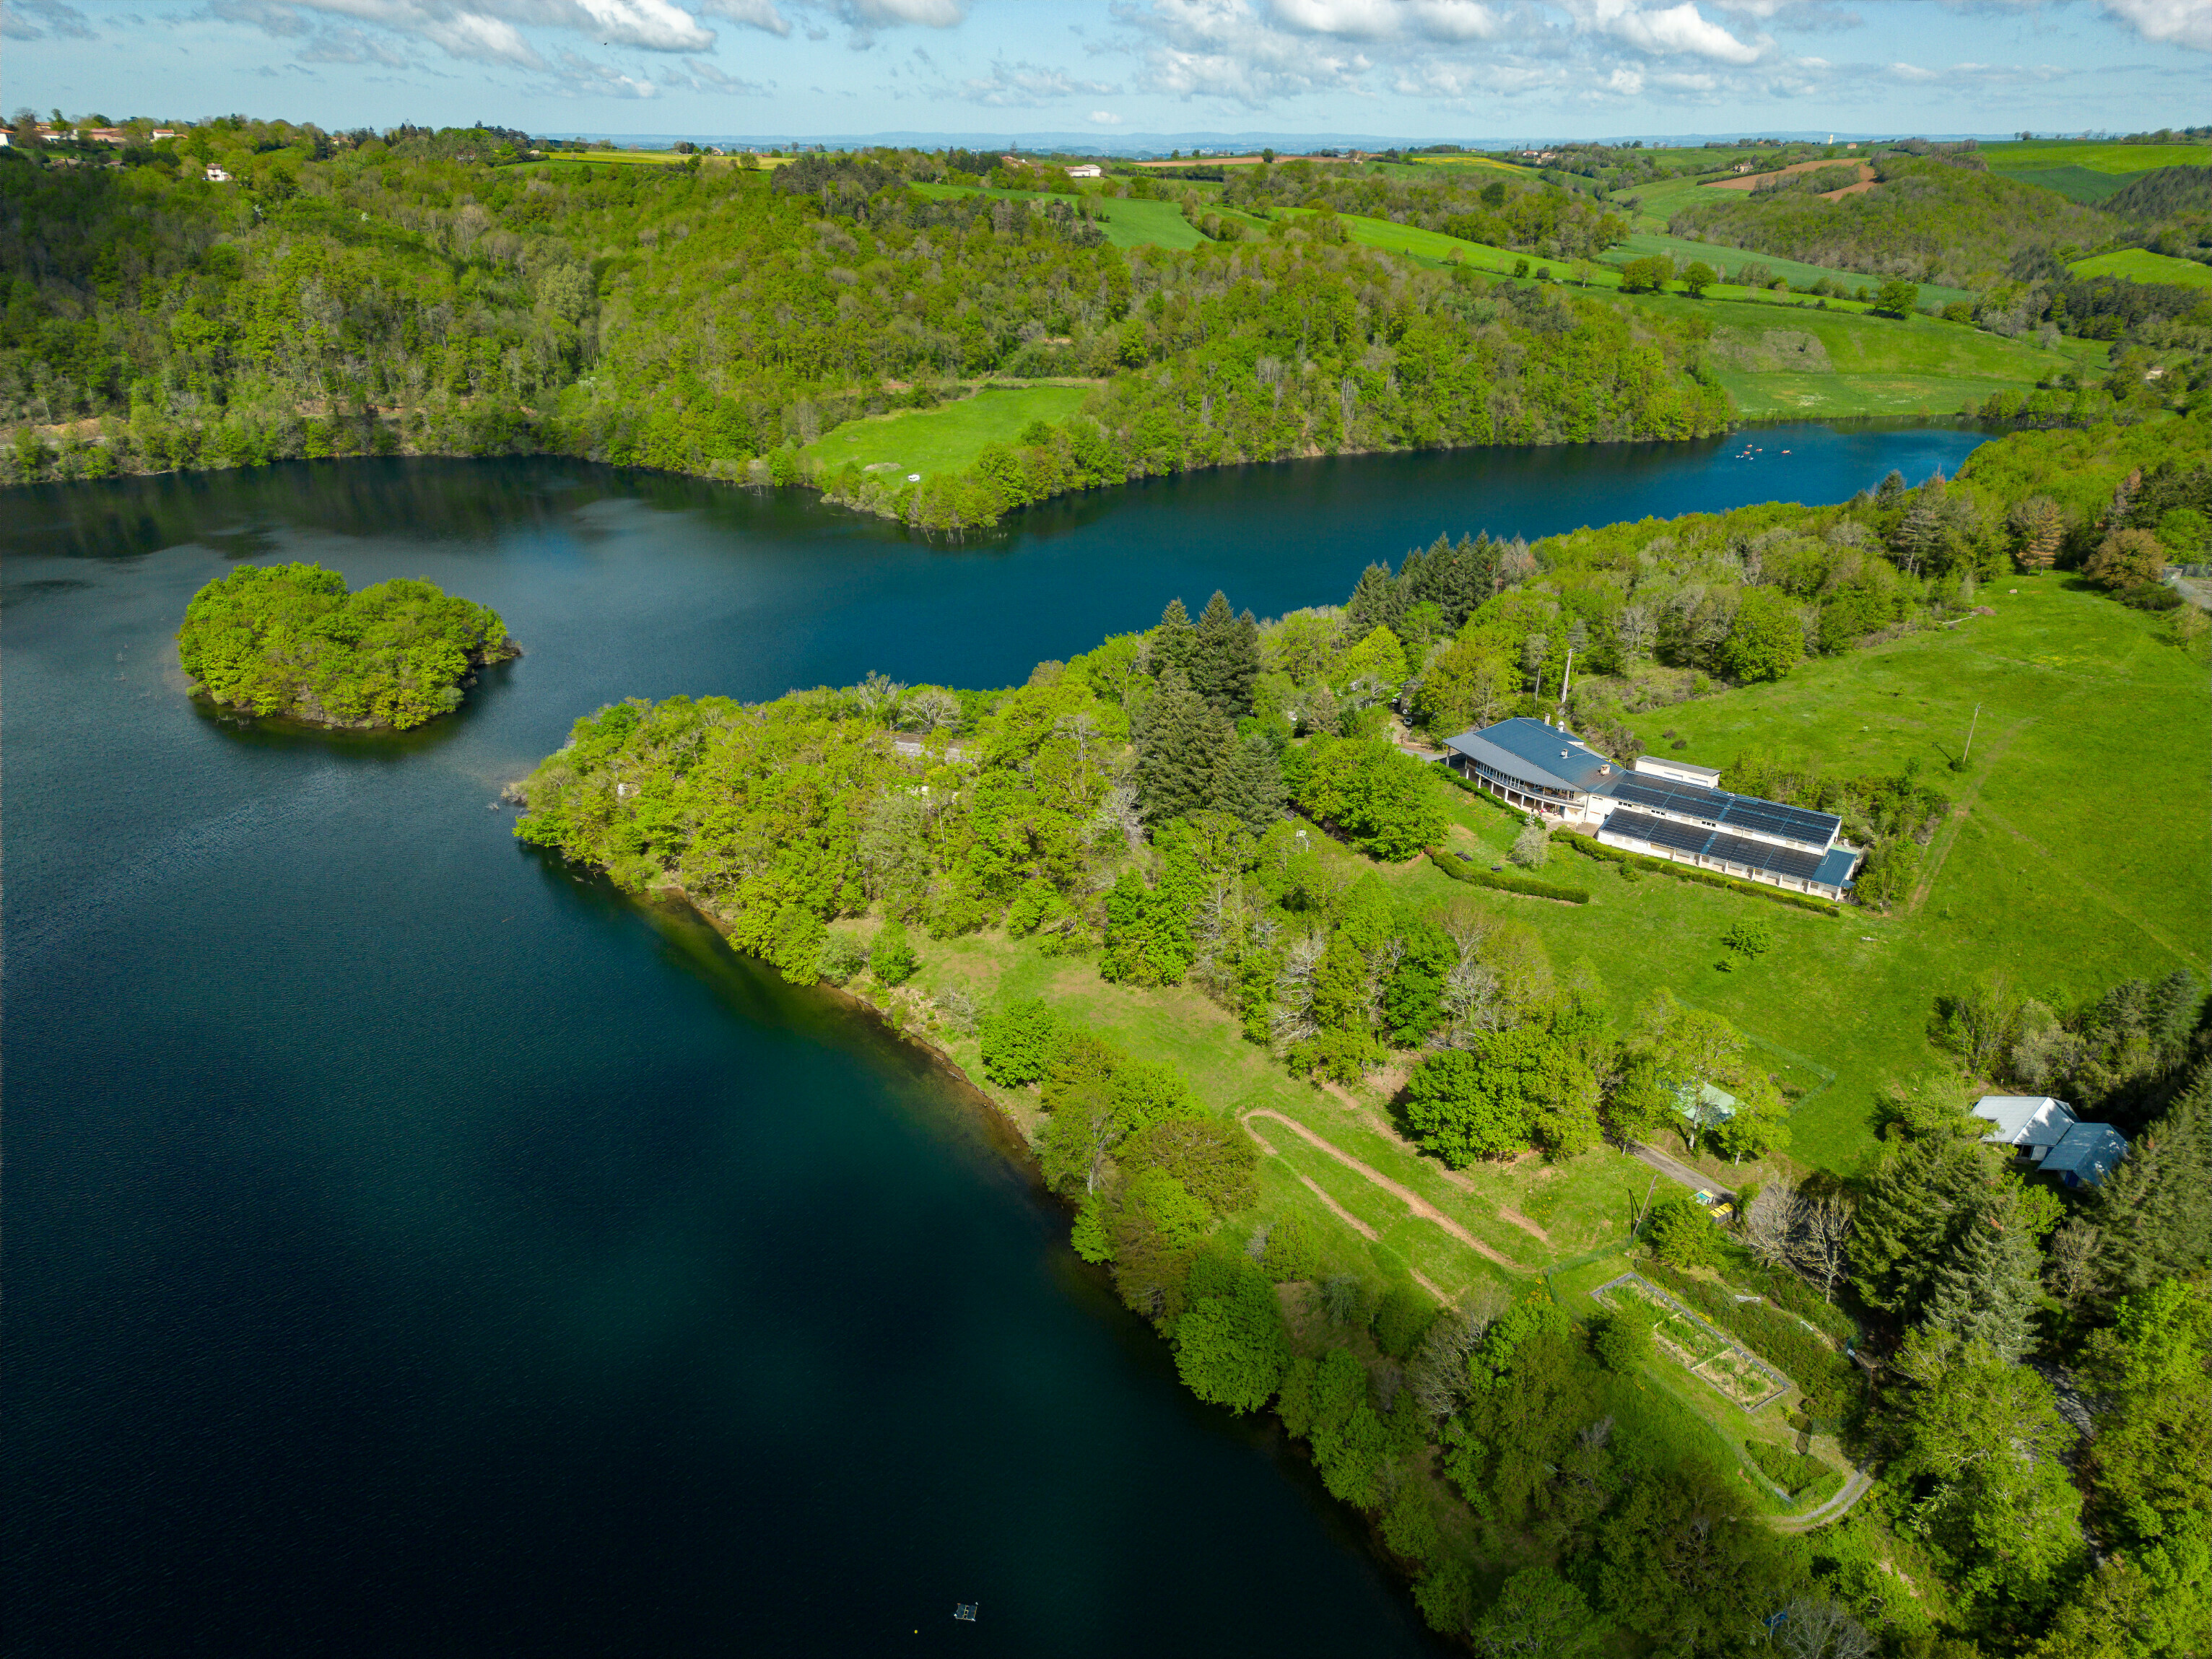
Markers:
<point>1674,1170</point>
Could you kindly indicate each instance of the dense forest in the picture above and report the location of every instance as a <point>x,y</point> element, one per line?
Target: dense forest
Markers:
<point>1219,803</point>
<point>290,641</point>
<point>343,295</point>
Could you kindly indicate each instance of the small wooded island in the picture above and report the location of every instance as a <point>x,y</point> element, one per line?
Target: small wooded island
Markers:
<point>288,639</point>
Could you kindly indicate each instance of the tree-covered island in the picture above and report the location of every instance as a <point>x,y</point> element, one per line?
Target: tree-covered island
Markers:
<point>289,641</point>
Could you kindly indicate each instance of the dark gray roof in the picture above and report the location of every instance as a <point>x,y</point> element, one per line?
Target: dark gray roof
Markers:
<point>2089,1151</point>
<point>1545,755</point>
<point>1730,811</point>
<point>1696,839</point>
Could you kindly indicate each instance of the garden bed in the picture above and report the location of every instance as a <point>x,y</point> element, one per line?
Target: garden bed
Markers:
<point>1732,1369</point>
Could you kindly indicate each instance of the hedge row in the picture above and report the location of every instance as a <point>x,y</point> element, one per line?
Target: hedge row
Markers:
<point>1590,848</point>
<point>1829,1382</point>
<point>1459,870</point>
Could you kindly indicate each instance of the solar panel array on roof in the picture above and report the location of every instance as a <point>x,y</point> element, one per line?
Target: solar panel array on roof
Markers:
<point>1763,817</point>
<point>1772,818</point>
<point>1766,855</point>
<point>1660,832</point>
<point>1670,797</point>
<point>1713,843</point>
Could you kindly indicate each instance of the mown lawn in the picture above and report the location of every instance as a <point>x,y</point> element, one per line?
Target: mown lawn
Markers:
<point>2141,265</point>
<point>947,439</point>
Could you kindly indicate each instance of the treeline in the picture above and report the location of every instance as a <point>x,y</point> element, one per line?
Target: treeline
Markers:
<point>364,294</point>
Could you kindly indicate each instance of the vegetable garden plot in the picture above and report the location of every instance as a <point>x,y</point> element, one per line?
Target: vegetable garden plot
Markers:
<point>1699,1348</point>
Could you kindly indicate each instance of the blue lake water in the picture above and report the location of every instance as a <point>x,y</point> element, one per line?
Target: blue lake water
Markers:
<point>413,1247</point>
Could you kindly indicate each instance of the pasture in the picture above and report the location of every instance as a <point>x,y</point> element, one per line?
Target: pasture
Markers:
<point>947,439</point>
<point>2138,265</point>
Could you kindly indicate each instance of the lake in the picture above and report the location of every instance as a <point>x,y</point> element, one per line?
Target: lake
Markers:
<point>414,1247</point>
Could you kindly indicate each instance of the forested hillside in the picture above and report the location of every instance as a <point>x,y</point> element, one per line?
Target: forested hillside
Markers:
<point>1928,220</point>
<point>340,295</point>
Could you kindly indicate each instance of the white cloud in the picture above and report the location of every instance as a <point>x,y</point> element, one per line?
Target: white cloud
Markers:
<point>1105,118</point>
<point>488,30</point>
<point>1025,86</point>
<point>753,14</point>
<point>1661,32</point>
<point>2182,22</point>
<point>1911,72</point>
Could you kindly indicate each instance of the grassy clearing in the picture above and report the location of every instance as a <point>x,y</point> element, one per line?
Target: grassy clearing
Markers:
<point>2141,265</point>
<point>947,439</point>
<point>2036,154</point>
<point>2079,185</point>
<point>1682,250</point>
<point>1877,365</point>
<point>1126,223</point>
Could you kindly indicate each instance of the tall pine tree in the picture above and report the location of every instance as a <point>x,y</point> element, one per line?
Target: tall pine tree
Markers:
<point>1988,1289</point>
<point>2154,1213</point>
<point>1172,641</point>
<point>1248,784</point>
<point>1378,602</point>
<point>1912,1213</point>
<point>1224,658</point>
<point>1182,745</point>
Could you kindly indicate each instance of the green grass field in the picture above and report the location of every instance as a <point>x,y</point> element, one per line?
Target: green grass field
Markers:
<point>947,439</point>
<point>2141,265</point>
<point>2045,877</point>
<point>1877,365</point>
<point>1797,274</point>
<point>2094,155</point>
<point>1126,223</point>
<point>2081,185</point>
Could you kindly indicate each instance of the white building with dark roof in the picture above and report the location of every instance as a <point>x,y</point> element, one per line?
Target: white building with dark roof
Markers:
<point>1662,809</point>
<point>2048,1137</point>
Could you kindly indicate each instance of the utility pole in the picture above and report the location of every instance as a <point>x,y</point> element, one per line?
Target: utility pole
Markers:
<point>1566,678</point>
<point>1970,737</point>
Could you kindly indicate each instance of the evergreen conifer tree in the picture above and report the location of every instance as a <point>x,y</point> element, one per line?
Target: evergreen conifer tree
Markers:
<point>1224,658</point>
<point>2154,1213</point>
<point>1375,603</point>
<point>1172,641</point>
<point>1914,1204</point>
<point>1182,745</point>
<point>1988,1289</point>
<point>1248,783</point>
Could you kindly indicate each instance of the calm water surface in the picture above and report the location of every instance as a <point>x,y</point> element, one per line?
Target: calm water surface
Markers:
<point>413,1248</point>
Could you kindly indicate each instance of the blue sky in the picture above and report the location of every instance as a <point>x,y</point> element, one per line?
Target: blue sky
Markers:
<point>1415,69</point>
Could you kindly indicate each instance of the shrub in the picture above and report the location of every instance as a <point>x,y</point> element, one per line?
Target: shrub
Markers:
<point>841,956</point>
<point>1679,1232</point>
<point>1533,846</point>
<point>1019,1043</point>
<point>1748,937</point>
<point>1403,1320</point>
<point>1622,1336</point>
<point>891,956</point>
